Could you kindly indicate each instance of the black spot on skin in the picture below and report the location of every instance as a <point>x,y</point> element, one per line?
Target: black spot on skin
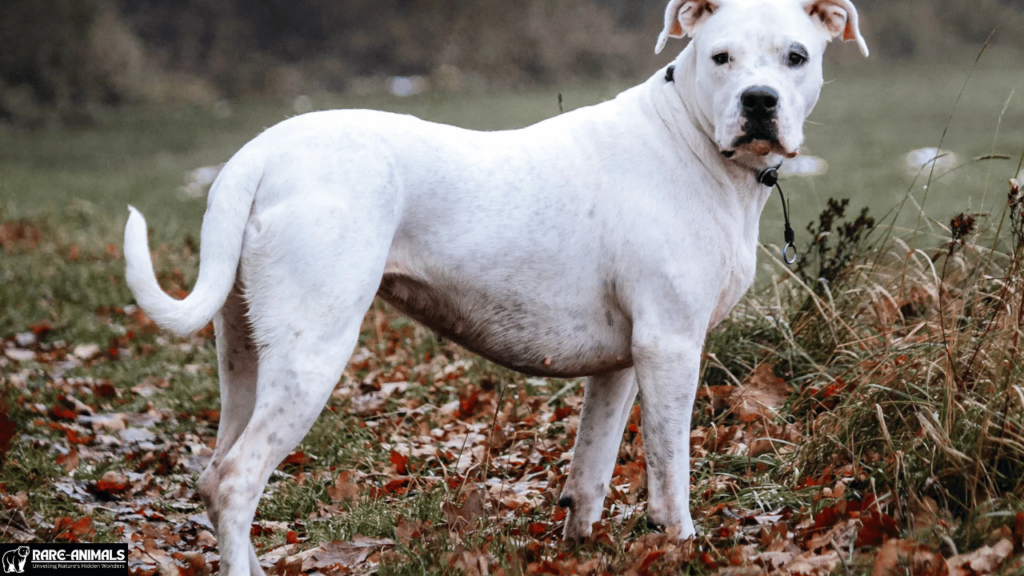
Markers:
<point>608,317</point>
<point>565,502</point>
<point>231,366</point>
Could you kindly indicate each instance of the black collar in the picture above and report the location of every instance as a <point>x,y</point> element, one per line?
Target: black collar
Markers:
<point>769,176</point>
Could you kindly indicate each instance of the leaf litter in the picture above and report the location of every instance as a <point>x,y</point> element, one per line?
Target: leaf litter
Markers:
<point>490,446</point>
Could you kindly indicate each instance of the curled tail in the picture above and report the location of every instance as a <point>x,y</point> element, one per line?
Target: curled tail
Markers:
<point>227,212</point>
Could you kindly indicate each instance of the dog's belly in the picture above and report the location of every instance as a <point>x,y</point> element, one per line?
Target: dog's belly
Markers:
<point>530,336</point>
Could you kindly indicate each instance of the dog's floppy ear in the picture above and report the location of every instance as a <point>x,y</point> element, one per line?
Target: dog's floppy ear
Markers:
<point>682,18</point>
<point>837,17</point>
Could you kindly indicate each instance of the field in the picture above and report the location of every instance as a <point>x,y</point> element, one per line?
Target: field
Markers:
<point>868,423</point>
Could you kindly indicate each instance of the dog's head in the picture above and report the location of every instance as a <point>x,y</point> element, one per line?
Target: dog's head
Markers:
<point>756,67</point>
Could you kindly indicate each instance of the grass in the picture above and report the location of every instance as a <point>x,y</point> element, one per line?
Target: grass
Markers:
<point>902,415</point>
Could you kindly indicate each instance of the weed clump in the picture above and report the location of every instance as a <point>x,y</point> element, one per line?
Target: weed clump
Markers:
<point>910,376</point>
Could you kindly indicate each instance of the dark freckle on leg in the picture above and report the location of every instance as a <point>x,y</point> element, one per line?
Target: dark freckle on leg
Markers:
<point>565,502</point>
<point>608,317</point>
<point>231,366</point>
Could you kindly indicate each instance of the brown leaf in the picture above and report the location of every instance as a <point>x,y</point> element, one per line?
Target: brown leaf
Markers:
<point>68,461</point>
<point>759,395</point>
<point>297,458</point>
<point>344,489</point>
<point>111,483</point>
<point>64,528</point>
<point>906,557</point>
<point>470,563</point>
<point>923,512</point>
<point>876,528</point>
<point>461,518</point>
<point>984,560</point>
<point>400,462</point>
<point>406,530</point>
<point>334,554</point>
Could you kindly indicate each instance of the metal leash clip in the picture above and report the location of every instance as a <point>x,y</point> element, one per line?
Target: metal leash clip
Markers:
<point>770,177</point>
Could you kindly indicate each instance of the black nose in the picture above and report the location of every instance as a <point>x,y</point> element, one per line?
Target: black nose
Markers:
<point>759,101</point>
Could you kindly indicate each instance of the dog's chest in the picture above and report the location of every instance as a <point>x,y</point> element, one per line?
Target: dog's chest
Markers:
<point>737,273</point>
<point>560,337</point>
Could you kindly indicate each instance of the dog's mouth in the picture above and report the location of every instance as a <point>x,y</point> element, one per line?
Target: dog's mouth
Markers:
<point>758,143</point>
<point>759,138</point>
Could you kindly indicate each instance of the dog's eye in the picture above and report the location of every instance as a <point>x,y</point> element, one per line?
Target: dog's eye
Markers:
<point>721,59</point>
<point>797,57</point>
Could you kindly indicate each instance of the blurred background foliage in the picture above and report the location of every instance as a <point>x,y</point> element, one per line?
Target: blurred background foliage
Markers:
<point>60,59</point>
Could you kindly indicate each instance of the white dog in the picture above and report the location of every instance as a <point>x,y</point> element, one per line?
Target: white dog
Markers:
<point>604,242</point>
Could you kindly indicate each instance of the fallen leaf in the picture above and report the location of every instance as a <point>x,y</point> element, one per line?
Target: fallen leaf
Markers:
<point>64,528</point>
<point>905,557</point>
<point>460,518</point>
<point>406,530</point>
<point>111,484</point>
<point>68,461</point>
<point>400,463</point>
<point>984,560</point>
<point>344,489</point>
<point>759,395</point>
<point>337,553</point>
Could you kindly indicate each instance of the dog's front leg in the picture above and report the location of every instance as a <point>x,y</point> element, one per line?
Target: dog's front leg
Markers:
<point>607,400</point>
<point>667,369</point>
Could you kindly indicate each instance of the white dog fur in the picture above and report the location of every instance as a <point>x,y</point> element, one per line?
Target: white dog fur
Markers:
<point>604,242</point>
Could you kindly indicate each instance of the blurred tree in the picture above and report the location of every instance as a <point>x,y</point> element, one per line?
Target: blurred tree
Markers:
<point>60,58</point>
<point>43,44</point>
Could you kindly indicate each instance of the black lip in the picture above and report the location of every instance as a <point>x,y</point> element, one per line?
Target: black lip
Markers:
<point>757,131</point>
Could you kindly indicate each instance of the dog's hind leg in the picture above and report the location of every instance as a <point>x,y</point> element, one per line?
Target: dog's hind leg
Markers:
<point>607,400</point>
<point>295,381</point>
<point>308,285</point>
<point>238,362</point>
